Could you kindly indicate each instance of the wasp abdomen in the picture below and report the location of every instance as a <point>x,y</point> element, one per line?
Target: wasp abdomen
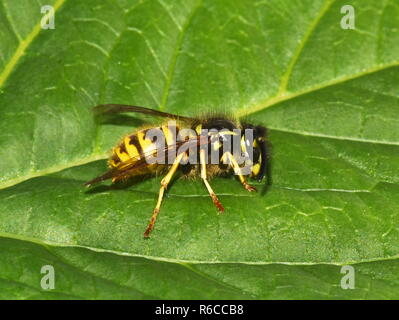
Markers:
<point>142,144</point>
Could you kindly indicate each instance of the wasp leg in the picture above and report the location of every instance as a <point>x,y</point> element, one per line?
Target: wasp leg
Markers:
<point>236,168</point>
<point>164,184</point>
<point>208,186</point>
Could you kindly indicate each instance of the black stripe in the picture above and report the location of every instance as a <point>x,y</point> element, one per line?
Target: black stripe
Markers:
<point>134,140</point>
<point>116,159</point>
<point>122,148</point>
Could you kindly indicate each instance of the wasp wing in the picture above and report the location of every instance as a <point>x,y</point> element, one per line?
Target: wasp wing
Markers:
<point>121,108</point>
<point>127,167</point>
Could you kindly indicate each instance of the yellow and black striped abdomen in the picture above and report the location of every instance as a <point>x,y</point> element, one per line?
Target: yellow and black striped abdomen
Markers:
<point>136,146</point>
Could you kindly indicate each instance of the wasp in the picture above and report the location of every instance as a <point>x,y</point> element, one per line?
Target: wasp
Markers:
<point>133,155</point>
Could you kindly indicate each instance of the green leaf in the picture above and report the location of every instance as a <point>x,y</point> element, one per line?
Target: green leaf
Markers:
<point>81,273</point>
<point>329,96</point>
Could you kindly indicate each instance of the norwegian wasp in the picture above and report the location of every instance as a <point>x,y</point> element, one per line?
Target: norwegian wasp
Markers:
<point>133,155</point>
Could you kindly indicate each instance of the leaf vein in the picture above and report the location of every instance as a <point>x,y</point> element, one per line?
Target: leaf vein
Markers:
<point>24,44</point>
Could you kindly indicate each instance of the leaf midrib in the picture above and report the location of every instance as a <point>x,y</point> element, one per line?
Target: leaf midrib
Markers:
<point>46,243</point>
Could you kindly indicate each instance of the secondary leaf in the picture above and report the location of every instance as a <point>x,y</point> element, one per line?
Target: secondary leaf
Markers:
<point>81,273</point>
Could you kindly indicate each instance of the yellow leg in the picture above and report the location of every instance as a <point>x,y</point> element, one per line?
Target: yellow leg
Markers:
<point>208,186</point>
<point>236,168</point>
<point>164,184</point>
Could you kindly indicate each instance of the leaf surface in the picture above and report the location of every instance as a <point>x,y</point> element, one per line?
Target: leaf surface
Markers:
<point>329,96</point>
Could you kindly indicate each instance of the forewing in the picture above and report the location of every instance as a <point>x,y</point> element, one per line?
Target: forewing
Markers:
<point>121,108</point>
